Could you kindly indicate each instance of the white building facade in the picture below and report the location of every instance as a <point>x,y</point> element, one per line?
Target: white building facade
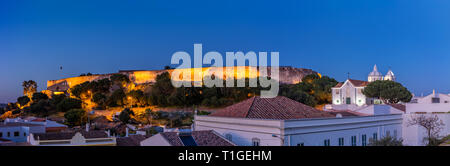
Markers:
<point>349,94</point>
<point>284,122</point>
<point>345,131</point>
<point>435,104</point>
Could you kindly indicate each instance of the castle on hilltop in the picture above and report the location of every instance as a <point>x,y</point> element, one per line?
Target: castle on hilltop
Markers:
<point>287,75</point>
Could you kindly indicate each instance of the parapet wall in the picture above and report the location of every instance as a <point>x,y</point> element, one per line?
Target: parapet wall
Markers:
<point>287,75</point>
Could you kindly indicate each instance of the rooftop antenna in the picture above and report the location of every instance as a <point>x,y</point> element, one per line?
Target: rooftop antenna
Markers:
<point>348,75</point>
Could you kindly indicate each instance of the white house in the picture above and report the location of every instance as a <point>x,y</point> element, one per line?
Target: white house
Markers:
<point>435,104</point>
<point>18,132</point>
<point>75,138</point>
<point>281,121</point>
<point>50,126</point>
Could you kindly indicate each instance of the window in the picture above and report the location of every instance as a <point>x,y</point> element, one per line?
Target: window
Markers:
<point>395,133</point>
<point>24,134</point>
<point>337,92</point>
<point>364,140</point>
<point>375,136</point>
<point>326,142</point>
<point>435,100</point>
<point>301,144</point>
<point>1,134</point>
<point>16,134</point>
<point>9,134</point>
<point>255,141</point>
<point>341,141</point>
<point>353,140</point>
<point>229,137</point>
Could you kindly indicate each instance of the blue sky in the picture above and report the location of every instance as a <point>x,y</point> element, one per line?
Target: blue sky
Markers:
<point>332,37</point>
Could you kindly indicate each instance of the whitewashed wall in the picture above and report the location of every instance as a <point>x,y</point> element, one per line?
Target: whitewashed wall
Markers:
<point>243,130</point>
<point>310,132</point>
<point>414,135</point>
<point>348,90</point>
<point>313,132</point>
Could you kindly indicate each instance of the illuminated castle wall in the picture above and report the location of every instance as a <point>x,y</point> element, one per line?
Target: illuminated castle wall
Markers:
<point>288,75</point>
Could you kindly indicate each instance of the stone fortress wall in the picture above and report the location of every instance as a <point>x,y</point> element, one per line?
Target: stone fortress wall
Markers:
<point>287,75</point>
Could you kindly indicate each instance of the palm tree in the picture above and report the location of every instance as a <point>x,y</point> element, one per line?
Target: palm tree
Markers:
<point>29,87</point>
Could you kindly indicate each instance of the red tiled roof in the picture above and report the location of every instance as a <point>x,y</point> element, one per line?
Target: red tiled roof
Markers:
<point>15,124</point>
<point>357,83</point>
<point>209,138</point>
<point>39,120</point>
<point>132,140</point>
<point>279,107</point>
<point>54,129</point>
<point>400,107</point>
<point>69,135</point>
<point>339,85</point>
<point>346,113</point>
<point>202,138</point>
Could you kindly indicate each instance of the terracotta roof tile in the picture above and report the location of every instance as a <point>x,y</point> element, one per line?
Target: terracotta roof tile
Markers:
<point>201,138</point>
<point>209,138</point>
<point>346,113</point>
<point>132,140</point>
<point>359,83</point>
<point>400,107</point>
<point>69,135</point>
<point>271,108</point>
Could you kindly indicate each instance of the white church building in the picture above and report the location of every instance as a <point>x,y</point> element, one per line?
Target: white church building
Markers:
<point>348,95</point>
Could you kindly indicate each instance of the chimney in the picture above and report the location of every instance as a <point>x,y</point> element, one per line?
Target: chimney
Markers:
<point>87,127</point>
<point>126,130</point>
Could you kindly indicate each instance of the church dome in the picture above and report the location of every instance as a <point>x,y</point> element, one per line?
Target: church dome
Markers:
<point>390,75</point>
<point>375,72</point>
<point>375,75</point>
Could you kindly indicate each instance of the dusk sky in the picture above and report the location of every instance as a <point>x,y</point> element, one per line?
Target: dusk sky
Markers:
<point>331,37</point>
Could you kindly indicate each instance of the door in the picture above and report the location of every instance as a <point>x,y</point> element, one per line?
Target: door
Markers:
<point>348,100</point>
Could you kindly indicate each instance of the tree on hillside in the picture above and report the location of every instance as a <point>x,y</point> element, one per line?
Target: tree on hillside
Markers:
<point>39,96</point>
<point>75,117</point>
<point>77,90</point>
<point>389,91</point>
<point>124,116</point>
<point>56,99</point>
<point>162,89</point>
<point>29,87</point>
<point>432,124</point>
<point>311,91</point>
<point>136,97</point>
<point>120,79</point>
<point>117,98</point>
<point>24,100</point>
<point>68,104</point>
<point>40,108</point>
<point>99,99</point>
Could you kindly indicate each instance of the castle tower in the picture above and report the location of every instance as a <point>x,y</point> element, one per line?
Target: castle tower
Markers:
<point>390,76</point>
<point>375,75</point>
